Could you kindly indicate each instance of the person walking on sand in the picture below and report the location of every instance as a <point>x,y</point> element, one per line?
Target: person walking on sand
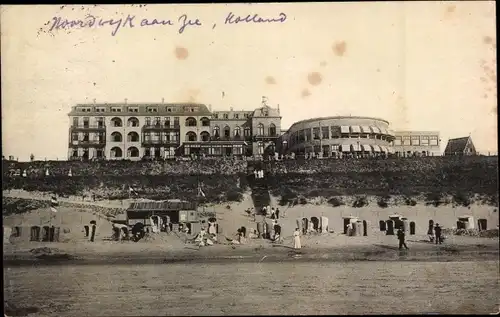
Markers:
<point>401,238</point>
<point>277,213</point>
<point>437,231</point>
<point>296,239</point>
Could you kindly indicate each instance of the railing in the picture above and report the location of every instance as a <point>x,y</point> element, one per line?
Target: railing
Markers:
<point>88,126</point>
<point>160,142</point>
<point>161,126</point>
<point>227,138</point>
<point>88,143</point>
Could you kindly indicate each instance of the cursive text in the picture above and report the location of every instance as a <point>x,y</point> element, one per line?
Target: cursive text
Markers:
<point>253,18</point>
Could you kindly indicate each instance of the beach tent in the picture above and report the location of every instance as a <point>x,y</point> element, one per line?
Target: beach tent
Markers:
<point>315,221</point>
<point>305,225</point>
<point>324,224</point>
<point>468,221</point>
<point>299,224</point>
<point>347,221</point>
<point>7,232</point>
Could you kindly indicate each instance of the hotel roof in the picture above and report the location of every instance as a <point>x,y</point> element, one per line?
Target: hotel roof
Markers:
<point>143,109</point>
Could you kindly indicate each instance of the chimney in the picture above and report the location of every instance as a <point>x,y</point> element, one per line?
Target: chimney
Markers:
<point>94,101</point>
<point>162,100</point>
<point>126,100</point>
<point>230,108</point>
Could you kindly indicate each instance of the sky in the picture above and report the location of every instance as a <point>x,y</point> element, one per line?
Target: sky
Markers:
<point>424,66</point>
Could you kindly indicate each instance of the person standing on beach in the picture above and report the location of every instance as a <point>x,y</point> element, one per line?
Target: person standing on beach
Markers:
<point>296,239</point>
<point>401,238</point>
<point>92,233</point>
<point>437,231</point>
<point>277,213</point>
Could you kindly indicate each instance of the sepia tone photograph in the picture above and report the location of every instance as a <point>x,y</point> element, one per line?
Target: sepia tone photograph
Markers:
<point>333,158</point>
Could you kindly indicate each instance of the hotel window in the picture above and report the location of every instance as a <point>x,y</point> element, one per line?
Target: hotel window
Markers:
<point>246,115</point>
<point>335,132</point>
<point>247,132</point>
<point>424,140</point>
<point>325,133</point>
<point>165,136</point>
<point>85,137</point>
<point>169,109</point>
<point>406,140</point>
<point>397,141</point>
<point>74,136</point>
<point>147,136</point>
<point>433,140</point>
<point>167,121</point>
<point>133,109</point>
<point>100,122</point>
<point>238,150</point>
<point>226,116</point>
<point>116,109</point>
<point>157,121</point>
<point>148,121</point>
<point>260,148</point>
<point>176,122</point>
<point>335,148</point>
<point>216,116</point>
<point>152,109</point>
<point>100,109</point>
<point>174,136</point>
<point>75,121</point>
<point>307,134</point>
<point>236,116</point>
<point>216,132</point>
<point>216,150</point>
<point>272,130</point>
<point>156,136</point>
<point>227,132</point>
<point>415,140</point>
<point>237,131</point>
<point>86,122</point>
<point>316,133</point>
<point>260,129</point>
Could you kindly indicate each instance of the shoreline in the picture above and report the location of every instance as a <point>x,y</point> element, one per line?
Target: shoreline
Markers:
<point>226,254</point>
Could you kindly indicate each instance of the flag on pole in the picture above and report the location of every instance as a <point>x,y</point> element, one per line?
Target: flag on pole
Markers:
<point>200,191</point>
<point>54,203</point>
<point>131,190</point>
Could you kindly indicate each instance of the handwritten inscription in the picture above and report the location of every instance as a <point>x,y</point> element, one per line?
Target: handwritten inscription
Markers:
<point>183,22</point>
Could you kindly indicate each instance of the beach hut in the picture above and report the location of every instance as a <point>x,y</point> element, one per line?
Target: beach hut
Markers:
<point>482,224</point>
<point>412,227</point>
<point>390,228</point>
<point>324,224</point>
<point>467,222</point>
<point>397,219</point>
<point>382,225</point>
<point>269,230</point>
<point>349,220</point>
<point>315,222</point>
<point>305,225</point>
<point>359,228</point>
<point>7,232</point>
<point>35,233</point>
<point>405,225</point>
<point>299,224</point>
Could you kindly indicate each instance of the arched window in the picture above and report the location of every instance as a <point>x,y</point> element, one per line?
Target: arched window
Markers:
<point>205,136</point>
<point>133,122</point>
<point>190,122</point>
<point>116,122</point>
<point>190,136</point>
<point>133,152</point>
<point>247,132</point>
<point>216,132</point>
<point>237,131</point>
<point>260,129</point>
<point>272,130</point>
<point>116,137</point>
<point>116,152</point>
<point>227,132</point>
<point>205,122</point>
<point>133,137</point>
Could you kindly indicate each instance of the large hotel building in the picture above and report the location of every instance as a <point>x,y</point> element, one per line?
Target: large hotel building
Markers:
<point>136,131</point>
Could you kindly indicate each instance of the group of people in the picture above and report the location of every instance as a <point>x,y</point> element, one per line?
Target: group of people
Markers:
<point>434,234</point>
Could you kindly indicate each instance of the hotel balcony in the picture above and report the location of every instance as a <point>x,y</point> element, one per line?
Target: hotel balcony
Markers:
<point>160,127</point>
<point>147,143</point>
<point>265,138</point>
<point>88,143</point>
<point>88,127</point>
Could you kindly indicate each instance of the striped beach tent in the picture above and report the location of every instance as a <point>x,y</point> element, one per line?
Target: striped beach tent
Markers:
<point>54,204</point>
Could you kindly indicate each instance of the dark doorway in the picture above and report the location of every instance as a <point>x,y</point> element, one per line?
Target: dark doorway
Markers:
<point>86,228</point>
<point>365,228</point>
<point>412,227</point>
<point>35,233</point>
<point>52,231</point>
<point>228,151</point>
<point>390,228</point>
<point>315,222</point>
<point>482,224</point>
<point>382,225</point>
<point>346,223</point>
<point>305,225</point>
<point>46,234</point>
